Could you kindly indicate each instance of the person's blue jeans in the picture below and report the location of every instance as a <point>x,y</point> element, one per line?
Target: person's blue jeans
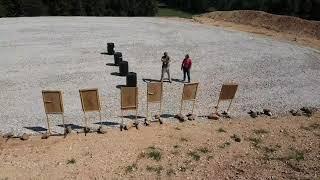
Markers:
<point>186,72</point>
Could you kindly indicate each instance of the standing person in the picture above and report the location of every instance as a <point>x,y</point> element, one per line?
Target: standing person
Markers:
<point>185,67</point>
<point>165,66</point>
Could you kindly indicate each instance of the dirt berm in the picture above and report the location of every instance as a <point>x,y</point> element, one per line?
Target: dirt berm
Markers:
<point>286,25</point>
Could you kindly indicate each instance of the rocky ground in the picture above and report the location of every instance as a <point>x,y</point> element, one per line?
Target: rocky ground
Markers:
<point>261,148</point>
<point>64,53</point>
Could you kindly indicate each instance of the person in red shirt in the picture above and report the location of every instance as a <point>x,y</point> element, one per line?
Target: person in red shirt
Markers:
<point>185,67</point>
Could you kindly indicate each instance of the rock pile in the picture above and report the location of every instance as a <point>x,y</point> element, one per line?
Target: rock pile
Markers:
<point>304,111</point>
<point>255,114</point>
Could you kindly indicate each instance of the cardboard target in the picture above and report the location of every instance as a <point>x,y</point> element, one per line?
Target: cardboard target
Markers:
<point>129,98</point>
<point>228,91</point>
<point>190,91</point>
<point>154,92</point>
<point>52,102</point>
<point>90,100</point>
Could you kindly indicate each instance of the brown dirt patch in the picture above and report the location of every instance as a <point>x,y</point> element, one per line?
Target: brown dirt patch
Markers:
<point>284,148</point>
<point>289,28</point>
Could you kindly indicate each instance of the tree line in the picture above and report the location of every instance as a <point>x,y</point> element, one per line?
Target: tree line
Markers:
<point>309,9</point>
<point>16,8</point>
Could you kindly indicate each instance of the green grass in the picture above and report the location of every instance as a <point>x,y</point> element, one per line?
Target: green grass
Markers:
<point>170,172</point>
<point>154,153</point>
<point>131,168</point>
<point>183,139</point>
<point>221,130</point>
<point>260,131</point>
<point>156,169</point>
<point>224,145</point>
<point>203,150</point>
<point>167,12</point>
<point>255,141</point>
<point>195,156</point>
<point>311,127</point>
<point>176,146</point>
<point>71,161</point>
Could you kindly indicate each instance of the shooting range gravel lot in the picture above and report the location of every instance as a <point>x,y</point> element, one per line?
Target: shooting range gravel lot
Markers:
<point>64,53</point>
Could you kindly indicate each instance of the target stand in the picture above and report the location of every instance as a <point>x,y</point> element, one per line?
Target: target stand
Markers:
<point>90,103</point>
<point>129,101</point>
<point>53,105</point>
<point>154,96</point>
<point>227,93</point>
<point>189,94</point>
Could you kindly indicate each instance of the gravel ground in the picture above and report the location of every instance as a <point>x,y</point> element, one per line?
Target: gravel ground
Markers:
<point>64,53</point>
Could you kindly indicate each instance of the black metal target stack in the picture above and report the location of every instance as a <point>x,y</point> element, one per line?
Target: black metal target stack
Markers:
<point>132,79</point>
<point>110,48</point>
<point>117,58</point>
<point>123,68</point>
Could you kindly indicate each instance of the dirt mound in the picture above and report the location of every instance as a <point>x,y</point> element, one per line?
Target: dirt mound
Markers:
<point>286,24</point>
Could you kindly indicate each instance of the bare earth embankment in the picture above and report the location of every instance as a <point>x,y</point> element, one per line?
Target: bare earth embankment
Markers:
<point>289,28</point>
<point>264,148</point>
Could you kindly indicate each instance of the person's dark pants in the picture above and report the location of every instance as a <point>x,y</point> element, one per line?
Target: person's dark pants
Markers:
<point>186,72</point>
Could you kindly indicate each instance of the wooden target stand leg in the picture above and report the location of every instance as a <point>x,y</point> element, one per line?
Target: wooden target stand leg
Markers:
<point>229,106</point>
<point>86,128</point>
<point>150,115</point>
<point>48,124</point>
<point>193,105</point>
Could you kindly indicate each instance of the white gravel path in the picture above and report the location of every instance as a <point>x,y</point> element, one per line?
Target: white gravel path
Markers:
<point>63,53</point>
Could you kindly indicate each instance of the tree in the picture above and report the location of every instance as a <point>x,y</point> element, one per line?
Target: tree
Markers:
<point>3,12</point>
<point>32,8</point>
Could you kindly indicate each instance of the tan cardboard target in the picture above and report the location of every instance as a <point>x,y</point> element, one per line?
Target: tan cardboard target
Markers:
<point>228,92</point>
<point>90,103</point>
<point>129,98</point>
<point>53,104</point>
<point>189,94</point>
<point>90,100</point>
<point>190,91</point>
<point>154,95</point>
<point>129,101</point>
<point>154,92</point>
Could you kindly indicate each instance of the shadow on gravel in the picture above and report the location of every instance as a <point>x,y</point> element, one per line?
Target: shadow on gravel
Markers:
<point>120,86</point>
<point>177,80</point>
<point>116,74</point>
<point>37,129</point>
<point>132,117</point>
<point>167,115</point>
<point>150,80</point>
<point>106,53</point>
<point>73,126</point>
<point>111,64</point>
<point>107,123</point>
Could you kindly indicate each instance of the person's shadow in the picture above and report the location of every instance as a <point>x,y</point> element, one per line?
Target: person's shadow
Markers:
<point>177,80</point>
<point>150,80</point>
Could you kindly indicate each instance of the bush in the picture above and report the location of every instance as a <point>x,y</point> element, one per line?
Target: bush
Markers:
<point>78,7</point>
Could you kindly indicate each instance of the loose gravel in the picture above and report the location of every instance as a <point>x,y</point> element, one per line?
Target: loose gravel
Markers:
<point>64,53</point>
